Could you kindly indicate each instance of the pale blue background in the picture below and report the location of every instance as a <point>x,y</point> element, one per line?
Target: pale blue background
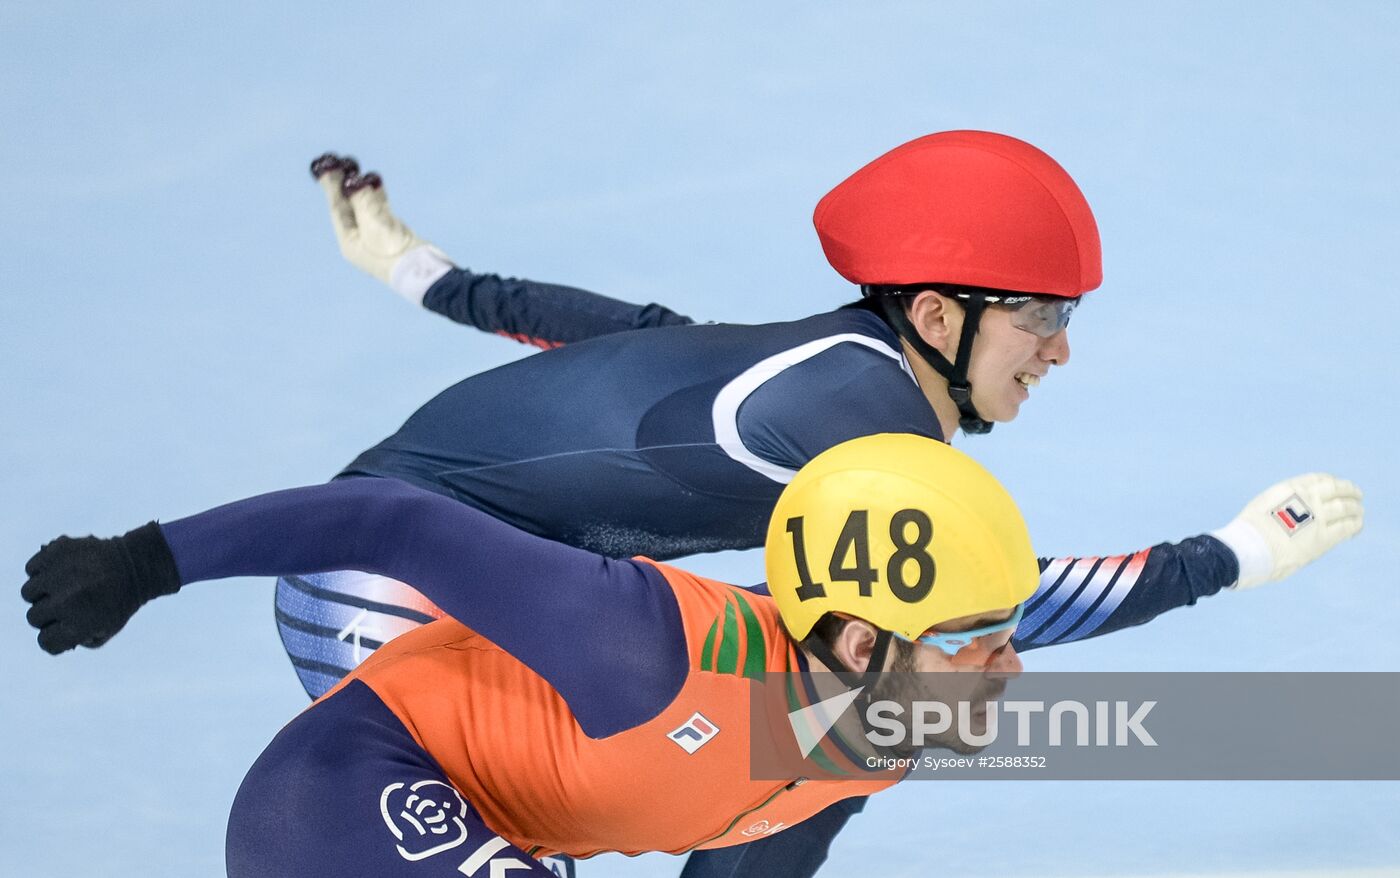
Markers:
<point>178,330</point>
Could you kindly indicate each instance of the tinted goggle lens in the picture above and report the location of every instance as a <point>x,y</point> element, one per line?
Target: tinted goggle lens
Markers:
<point>992,637</point>
<point>1042,317</point>
<point>1039,315</point>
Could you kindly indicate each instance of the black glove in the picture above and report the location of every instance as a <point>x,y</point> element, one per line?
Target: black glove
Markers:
<point>84,589</point>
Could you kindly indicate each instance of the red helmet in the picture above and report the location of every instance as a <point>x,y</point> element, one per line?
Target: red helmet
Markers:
<point>963,207</point>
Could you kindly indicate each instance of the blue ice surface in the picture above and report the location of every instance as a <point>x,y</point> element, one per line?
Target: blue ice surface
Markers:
<point>180,331</point>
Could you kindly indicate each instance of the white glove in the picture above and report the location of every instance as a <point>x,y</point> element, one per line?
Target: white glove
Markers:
<point>370,236</point>
<point>1292,524</point>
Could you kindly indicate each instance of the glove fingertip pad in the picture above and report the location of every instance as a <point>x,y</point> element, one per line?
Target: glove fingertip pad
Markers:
<point>325,163</point>
<point>53,641</point>
<point>355,182</point>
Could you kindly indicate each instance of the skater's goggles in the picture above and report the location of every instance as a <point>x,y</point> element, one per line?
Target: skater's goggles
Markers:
<point>992,637</point>
<point>1042,316</point>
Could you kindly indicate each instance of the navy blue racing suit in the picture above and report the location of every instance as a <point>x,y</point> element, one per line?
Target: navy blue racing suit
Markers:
<point>668,442</point>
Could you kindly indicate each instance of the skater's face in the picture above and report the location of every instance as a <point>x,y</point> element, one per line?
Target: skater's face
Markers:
<point>977,674</point>
<point>1007,361</point>
<point>984,666</point>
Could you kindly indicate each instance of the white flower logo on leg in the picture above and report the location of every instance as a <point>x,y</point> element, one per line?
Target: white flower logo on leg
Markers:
<point>427,818</point>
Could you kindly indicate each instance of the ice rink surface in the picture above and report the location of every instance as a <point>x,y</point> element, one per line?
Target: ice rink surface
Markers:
<point>179,331</point>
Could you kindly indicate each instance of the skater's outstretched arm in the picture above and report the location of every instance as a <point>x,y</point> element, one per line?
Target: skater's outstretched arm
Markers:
<point>581,621</point>
<point>1287,526</point>
<point>541,314</point>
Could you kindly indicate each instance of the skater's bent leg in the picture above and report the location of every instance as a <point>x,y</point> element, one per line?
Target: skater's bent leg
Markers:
<point>345,790</point>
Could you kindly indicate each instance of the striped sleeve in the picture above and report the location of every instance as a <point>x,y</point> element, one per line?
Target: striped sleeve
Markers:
<point>1090,596</point>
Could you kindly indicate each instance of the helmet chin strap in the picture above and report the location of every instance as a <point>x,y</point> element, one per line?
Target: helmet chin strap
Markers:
<point>854,679</point>
<point>959,389</point>
<point>867,679</point>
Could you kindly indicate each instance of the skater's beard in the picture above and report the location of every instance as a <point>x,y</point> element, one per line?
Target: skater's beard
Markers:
<point>904,685</point>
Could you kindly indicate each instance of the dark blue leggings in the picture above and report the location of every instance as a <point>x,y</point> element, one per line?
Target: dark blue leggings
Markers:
<point>345,790</point>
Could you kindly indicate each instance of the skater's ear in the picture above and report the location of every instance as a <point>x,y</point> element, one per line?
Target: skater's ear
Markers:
<point>938,320</point>
<point>853,644</point>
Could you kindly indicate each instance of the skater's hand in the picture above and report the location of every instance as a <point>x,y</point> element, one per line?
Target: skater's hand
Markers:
<point>84,589</point>
<point>370,236</point>
<point>1292,524</point>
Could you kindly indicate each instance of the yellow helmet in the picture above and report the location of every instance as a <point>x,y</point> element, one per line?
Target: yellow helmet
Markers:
<point>902,531</point>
